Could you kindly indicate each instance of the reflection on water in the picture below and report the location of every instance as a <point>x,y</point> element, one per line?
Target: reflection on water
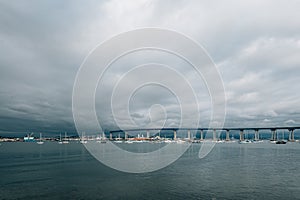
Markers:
<point>230,171</point>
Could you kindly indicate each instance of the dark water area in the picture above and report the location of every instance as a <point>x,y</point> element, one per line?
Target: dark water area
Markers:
<point>230,171</point>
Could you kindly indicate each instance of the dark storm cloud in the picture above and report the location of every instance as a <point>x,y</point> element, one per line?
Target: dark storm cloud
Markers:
<point>38,65</point>
<point>256,46</point>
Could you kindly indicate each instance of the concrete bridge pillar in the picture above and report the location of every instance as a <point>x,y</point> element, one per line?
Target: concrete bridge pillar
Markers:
<point>175,135</point>
<point>148,134</point>
<point>291,135</point>
<point>126,136</point>
<point>256,135</point>
<point>227,135</point>
<point>201,134</point>
<point>273,134</point>
<point>242,135</point>
<point>214,135</point>
<point>110,136</point>
<point>189,135</point>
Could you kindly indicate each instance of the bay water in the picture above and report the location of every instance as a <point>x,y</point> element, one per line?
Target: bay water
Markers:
<point>230,171</point>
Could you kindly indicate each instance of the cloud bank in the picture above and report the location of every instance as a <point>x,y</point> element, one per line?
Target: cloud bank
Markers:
<point>255,45</point>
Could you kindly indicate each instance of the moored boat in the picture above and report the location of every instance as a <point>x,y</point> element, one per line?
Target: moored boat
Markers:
<point>40,140</point>
<point>281,142</point>
<point>65,141</point>
<point>245,141</point>
<point>29,138</point>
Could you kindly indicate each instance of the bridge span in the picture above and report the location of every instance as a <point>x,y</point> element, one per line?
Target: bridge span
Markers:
<point>256,130</point>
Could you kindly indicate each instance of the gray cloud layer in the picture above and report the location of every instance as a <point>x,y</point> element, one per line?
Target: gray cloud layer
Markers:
<point>256,46</point>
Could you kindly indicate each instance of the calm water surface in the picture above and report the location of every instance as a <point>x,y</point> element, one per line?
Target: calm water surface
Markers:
<point>230,171</point>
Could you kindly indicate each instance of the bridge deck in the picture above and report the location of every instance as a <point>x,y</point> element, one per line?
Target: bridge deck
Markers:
<point>205,129</point>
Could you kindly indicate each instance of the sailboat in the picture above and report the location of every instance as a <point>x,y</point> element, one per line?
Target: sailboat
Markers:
<point>103,138</point>
<point>40,141</point>
<point>82,140</point>
<point>282,140</point>
<point>246,140</point>
<point>60,141</point>
<point>274,140</point>
<point>65,141</point>
<point>118,139</point>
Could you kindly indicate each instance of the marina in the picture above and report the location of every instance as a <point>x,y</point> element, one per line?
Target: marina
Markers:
<point>210,134</point>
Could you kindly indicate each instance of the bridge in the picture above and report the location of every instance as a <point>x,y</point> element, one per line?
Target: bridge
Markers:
<point>291,130</point>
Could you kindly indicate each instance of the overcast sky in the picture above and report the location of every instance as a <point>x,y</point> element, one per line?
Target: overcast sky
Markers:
<point>255,45</point>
